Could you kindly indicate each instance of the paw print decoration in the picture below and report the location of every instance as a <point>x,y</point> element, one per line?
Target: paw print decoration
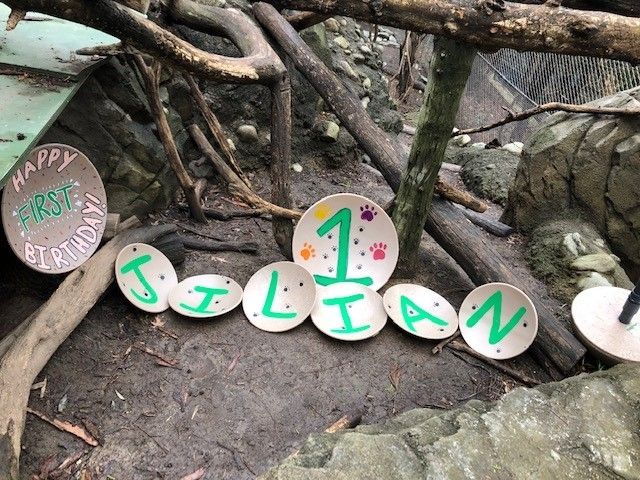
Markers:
<point>355,242</point>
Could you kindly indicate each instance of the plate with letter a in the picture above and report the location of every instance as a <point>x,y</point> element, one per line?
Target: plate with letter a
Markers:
<point>498,321</point>
<point>420,311</point>
<point>279,297</point>
<point>145,276</point>
<point>346,238</point>
<point>205,296</point>
<point>348,311</point>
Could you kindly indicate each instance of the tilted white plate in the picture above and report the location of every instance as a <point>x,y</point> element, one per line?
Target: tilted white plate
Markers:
<point>205,296</point>
<point>145,276</point>
<point>346,238</point>
<point>279,297</point>
<point>498,321</point>
<point>420,311</point>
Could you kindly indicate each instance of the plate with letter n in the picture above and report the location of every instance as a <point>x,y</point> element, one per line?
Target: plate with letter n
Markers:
<point>498,321</point>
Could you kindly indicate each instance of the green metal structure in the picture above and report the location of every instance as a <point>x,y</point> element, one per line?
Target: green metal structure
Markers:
<point>39,74</point>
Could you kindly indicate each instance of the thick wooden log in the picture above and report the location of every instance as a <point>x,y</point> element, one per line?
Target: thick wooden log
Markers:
<point>46,329</point>
<point>143,34</point>
<point>209,245</point>
<point>494,227</point>
<point>497,24</point>
<point>138,5</point>
<point>382,149</point>
<point>448,73</point>
<point>445,223</point>
<point>302,20</point>
<point>281,162</point>
<point>628,8</point>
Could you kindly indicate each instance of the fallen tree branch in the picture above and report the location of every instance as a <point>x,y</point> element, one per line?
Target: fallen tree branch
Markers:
<point>151,77</point>
<point>259,64</point>
<point>382,149</point>
<point>216,246</point>
<point>494,227</point>
<point>302,20</point>
<point>456,195</point>
<point>224,215</point>
<point>497,24</point>
<point>446,224</point>
<point>552,107</point>
<point>521,377</point>
<point>215,128</point>
<point>235,184</point>
<point>48,328</point>
<point>15,16</point>
<point>75,430</point>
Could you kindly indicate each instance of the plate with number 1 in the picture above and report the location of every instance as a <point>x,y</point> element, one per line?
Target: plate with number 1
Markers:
<point>346,238</point>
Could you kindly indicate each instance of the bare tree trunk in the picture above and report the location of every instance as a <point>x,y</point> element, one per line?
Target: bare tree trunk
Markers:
<point>151,76</point>
<point>497,24</point>
<point>39,337</point>
<point>281,161</point>
<point>450,68</point>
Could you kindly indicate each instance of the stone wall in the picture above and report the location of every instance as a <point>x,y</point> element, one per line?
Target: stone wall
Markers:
<point>588,166</point>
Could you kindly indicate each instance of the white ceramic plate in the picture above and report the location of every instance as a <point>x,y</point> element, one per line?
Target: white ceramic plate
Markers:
<point>279,297</point>
<point>348,311</point>
<point>205,296</point>
<point>498,321</point>
<point>346,238</point>
<point>420,311</point>
<point>595,314</point>
<point>145,276</point>
<point>54,209</point>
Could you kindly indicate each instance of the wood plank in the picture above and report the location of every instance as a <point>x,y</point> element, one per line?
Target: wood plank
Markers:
<point>47,44</point>
<point>30,104</point>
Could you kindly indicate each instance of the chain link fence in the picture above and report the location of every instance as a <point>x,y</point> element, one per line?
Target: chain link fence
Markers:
<point>518,81</point>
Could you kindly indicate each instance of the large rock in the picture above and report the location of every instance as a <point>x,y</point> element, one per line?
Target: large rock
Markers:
<point>489,173</point>
<point>587,165</point>
<point>571,256</point>
<point>583,427</point>
<point>109,120</point>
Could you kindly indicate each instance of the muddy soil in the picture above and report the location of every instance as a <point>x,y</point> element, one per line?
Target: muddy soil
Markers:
<point>239,400</point>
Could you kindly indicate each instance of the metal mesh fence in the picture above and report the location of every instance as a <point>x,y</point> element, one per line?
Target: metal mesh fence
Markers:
<point>520,80</point>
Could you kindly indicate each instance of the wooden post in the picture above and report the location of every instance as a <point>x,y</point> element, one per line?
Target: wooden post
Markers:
<point>281,161</point>
<point>450,68</point>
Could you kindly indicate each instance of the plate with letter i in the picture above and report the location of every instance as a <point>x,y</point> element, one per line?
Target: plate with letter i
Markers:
<point>349,311</point>
<point>205,296</point>
<point>279,297</point>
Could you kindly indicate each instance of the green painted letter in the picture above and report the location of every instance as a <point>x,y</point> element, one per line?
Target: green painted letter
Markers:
<point>271,295</point>
<point>344,313</point>
<point>497,333</point>
<point>134,266</point>
<point>209,293</point>
<point>418,314</point>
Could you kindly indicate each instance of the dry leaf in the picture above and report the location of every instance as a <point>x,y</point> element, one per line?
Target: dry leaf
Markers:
<point>119,395</point>
<point>68,427</point>
<point>394,376</point>
<point>197,475</point>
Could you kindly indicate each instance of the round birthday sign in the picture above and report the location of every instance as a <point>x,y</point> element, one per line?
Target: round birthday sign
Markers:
<point>420,311</point>
<point>205,296</point>
<point>595,314</point>
<point>498,321</point>
<point>348,311</point>
<point>279,297</point>
<point>145,276</point>
<point>54,209</point>
<point>346,238</point>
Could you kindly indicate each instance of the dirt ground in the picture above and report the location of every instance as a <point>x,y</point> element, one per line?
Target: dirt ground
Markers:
<point>239,399</point>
